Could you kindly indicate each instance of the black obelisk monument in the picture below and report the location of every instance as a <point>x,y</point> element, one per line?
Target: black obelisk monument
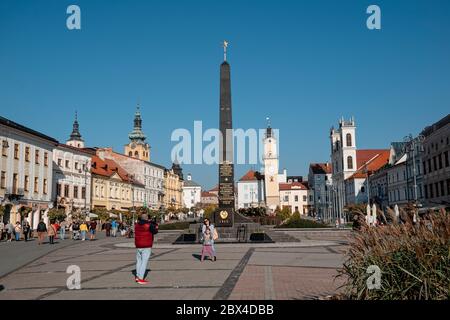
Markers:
<point>224,215</point>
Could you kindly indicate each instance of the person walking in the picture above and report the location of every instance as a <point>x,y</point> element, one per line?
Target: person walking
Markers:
<point>114,228</point>
<point>51,232</point>
<point>17,231</point>
<point>143,240</point>
<point>41,231</point>
<point>26,230</point>
<point>108,228</point>
<point>2,230</point>
<point>83,229</point>
<point>92,230</point>
<point>62,229</point>
<point>9,231</point>
<point>75,230</point>
<point>208,225</point>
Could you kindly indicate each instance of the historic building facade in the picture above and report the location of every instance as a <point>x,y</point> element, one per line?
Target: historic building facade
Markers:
<point>271,167</point>
<point>138,147</point>
<point>297,197</point>
<point>113,188</point>
<point>25,172</point>
<point>173,187</point>
<point>250,190</point>
<point>192,193</point>
<point>436,163</point>
<point>71,185</point>
<point>320,182</point>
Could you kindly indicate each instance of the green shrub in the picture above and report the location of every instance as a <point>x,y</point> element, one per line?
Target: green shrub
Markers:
<point>295,221</point>
<point>56,214</point>
<point>414,260</point>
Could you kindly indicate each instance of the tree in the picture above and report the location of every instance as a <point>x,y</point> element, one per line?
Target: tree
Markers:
<point>56,214</point>
<point>284,213</point>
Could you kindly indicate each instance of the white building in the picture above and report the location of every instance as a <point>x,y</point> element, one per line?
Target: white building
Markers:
<point>351,164</point>
<point>250,190</point>
<point>398,182</point>
<point>71,178</point>
<point>25,172</point>
<point>271,167</point>
<point>192,192</point>
<point>297,197</point>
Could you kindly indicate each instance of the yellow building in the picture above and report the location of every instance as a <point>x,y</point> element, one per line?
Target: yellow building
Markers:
<point>173,187</point>
<point>112,187</point>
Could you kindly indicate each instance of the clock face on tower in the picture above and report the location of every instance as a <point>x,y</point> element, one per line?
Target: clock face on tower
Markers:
<point>133,145</point>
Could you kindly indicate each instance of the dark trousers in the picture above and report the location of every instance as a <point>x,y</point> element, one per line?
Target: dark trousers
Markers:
<point>25,234</point>
<point>108,232</point>
<point>51,238</point>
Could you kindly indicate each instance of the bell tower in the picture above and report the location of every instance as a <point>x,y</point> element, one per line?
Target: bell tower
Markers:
<point>138,147</point>
<point>75,139</point>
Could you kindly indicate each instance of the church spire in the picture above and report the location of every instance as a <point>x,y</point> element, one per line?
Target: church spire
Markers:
<point>75,135</point>
<point>137,135</point>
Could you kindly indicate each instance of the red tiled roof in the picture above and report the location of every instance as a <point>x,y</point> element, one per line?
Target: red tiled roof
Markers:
<point>108,168</point>
<point>320,168</point>
<point>249,176</point>
<point>206,194</point>
<point>375,159</point>
<point>292,186</point>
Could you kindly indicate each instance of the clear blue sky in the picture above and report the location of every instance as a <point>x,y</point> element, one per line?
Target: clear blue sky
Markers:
<point>303,63</point>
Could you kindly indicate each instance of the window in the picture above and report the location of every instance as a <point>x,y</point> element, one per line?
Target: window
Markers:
<point>435,163</point>
<point>349,162</point>
<point>26,182</point>
<point>349,139</point>
<point>424,164</point>
<point>75,192</point>
<point>363,189</point>
<point>442,188</point>
<point>431,191</point>
<point>426,192</point>
<point>36,157</point>
<point>27,154</point>
<point>5,148</point>
<point>76,165</point>
<point>429,166</point>
<point>16,151</point>
<point>58,190</point>
<point>440,161</point>
<point>45,186</point>
<point>446,158</point>
<point>286,198</point>
<point>66,191</point>
<point>67,164</point>
<point>296,198</point>
<point>437,190</point>
<point>136,154</point>
<point>46,159</point>
<point>130,154</point>
<point>59,162</point>
<point>36,185</point>
<point>304,198</point>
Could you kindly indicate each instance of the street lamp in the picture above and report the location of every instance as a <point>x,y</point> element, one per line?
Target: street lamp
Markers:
<point>86,170</point>
<point>133,211</point>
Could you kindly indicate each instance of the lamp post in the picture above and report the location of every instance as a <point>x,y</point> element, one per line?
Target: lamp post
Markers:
<point>85,169</point>
<point>133,210</point>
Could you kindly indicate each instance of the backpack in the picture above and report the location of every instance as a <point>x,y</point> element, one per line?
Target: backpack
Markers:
<point>153,228</point>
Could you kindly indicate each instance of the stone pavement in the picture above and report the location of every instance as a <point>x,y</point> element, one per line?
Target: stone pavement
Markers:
<point>301,270</point>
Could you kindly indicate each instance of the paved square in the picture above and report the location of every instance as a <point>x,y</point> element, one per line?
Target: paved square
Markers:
<point>302,270</point>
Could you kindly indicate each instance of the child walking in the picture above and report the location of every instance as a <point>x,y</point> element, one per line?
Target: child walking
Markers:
<point>207,245</point>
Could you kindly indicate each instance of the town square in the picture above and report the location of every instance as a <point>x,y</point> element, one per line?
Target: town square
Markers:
<point>155,158</point>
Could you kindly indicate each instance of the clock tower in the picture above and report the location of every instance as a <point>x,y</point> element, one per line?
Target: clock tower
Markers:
<point>271,170</point>
<point>138,147</point>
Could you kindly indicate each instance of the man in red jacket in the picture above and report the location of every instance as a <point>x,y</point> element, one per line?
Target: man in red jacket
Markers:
<point>143,240</point>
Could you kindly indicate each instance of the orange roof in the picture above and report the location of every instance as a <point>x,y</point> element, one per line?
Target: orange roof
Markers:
<point>292,186</point>
<point>108,167</point>
<point>370,160</point>
<point>249,176</point>
<point>206,194</point>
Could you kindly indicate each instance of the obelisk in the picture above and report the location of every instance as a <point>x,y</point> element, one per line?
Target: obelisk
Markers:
<point>224,215</point>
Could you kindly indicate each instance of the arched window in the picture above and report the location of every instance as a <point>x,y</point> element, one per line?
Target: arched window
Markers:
<point>363,189</point>
<point>136,154</point>
<point>349,139</point>
<point>130,154</point>
<point>349,162</point>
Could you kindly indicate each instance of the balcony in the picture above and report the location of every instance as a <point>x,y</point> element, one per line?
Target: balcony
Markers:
<point>14,193</point>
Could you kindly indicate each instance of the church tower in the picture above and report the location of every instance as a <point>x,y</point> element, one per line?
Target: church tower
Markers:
<point>271,170</point>
<point>138,148</point>
<point>75,139</point>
